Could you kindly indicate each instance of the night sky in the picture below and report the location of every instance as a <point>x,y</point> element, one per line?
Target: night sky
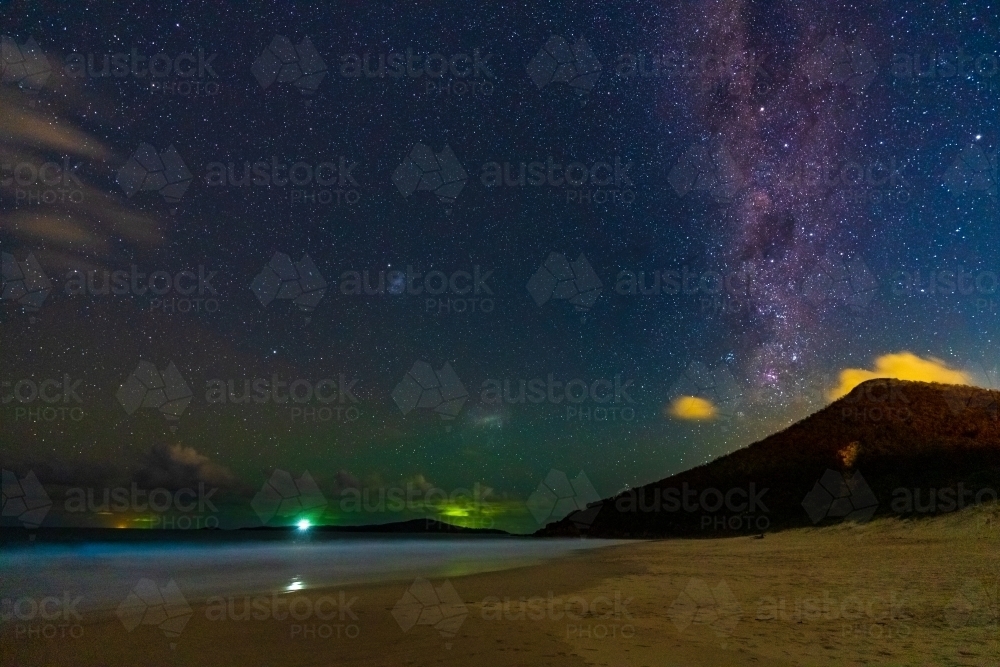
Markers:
<point>834,169</point>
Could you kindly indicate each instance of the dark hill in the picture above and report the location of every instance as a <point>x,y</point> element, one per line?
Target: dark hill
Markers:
<point>890,447</point>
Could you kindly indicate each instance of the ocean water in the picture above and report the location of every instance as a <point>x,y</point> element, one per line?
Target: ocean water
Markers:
<point>103,573</point>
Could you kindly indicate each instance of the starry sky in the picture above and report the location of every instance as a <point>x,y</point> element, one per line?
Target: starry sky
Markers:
<point>725,205</point>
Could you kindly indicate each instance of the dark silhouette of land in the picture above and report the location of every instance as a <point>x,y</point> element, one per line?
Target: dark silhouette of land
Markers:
<point>889,447</point>
<point>17,535</point>
<point>413,526</point>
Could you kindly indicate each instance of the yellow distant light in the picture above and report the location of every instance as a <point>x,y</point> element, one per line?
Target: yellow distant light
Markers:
<point>693,408</point>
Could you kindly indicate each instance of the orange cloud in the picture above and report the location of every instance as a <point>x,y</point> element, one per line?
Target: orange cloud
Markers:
<point>899,366</point>
<point>692,408</point>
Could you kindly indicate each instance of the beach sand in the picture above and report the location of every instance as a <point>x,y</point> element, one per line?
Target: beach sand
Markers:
<point>885,593</point>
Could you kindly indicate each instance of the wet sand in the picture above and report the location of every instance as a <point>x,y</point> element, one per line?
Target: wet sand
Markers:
<point>885,593</point>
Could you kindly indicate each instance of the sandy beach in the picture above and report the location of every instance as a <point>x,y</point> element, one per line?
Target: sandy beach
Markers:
<point>889,593</point>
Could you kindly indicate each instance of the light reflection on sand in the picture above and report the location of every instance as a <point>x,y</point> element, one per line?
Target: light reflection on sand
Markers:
<point>103,574</point>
